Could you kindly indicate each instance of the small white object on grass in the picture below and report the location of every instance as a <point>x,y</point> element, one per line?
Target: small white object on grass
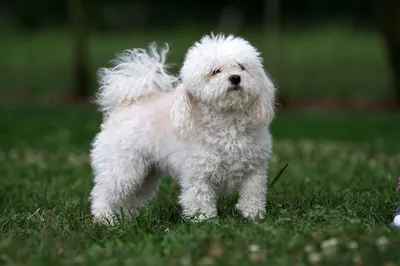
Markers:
<point>396,221</point>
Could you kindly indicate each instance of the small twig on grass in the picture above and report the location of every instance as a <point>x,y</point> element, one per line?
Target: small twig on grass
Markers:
<point>277,177</point>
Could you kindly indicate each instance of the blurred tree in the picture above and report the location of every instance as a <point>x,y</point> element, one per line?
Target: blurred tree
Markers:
<point>99,13</point>
<point>389,17</point>
<point>81,76</point>
<point>272,15</point>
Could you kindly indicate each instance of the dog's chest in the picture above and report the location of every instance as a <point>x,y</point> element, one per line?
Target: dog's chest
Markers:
<point>234,156</point>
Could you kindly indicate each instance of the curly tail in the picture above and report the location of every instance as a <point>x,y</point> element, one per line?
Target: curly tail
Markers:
<point>135,74</point>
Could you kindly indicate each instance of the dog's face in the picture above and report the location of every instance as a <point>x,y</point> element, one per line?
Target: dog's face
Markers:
<point>225,73</point>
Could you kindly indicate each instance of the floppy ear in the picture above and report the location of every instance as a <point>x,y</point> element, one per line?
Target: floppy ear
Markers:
<point>263,109</point>
<point>182,113</point>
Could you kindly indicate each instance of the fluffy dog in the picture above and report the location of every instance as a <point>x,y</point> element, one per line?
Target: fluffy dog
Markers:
<point>208,129</point>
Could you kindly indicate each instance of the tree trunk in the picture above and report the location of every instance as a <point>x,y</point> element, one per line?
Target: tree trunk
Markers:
<point>389,18</point>
<point>272,47</point>
<point>81,76</point>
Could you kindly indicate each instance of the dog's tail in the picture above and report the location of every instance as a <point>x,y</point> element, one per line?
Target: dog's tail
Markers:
<point>135,74</point>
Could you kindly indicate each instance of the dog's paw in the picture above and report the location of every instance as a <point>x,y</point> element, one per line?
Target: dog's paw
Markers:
<point>104,217</point>
<point>200,217</point>
<point>108,220</point>
<point>252,213</point>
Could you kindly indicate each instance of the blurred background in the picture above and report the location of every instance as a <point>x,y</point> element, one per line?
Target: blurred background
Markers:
<point>323,53</point>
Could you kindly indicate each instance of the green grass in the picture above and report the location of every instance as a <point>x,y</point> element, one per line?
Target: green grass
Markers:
<point>340,183</point>
<point>325,62</point>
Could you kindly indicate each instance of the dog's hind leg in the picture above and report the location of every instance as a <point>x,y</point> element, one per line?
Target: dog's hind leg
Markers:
<point>149,188</point>
<point>120,183</point>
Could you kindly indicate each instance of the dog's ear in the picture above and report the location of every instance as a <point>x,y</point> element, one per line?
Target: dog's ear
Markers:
<point>263,109</point>
<point>182,113</point>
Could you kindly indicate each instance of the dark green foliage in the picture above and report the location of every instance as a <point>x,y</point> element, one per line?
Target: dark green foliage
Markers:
<point>103,14</point>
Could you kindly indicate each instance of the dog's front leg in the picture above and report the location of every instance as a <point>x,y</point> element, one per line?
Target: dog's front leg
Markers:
<point>198,199</point>
<point>252,195</point>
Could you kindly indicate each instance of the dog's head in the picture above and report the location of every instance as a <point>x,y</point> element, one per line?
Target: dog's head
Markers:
<point>226,74</point>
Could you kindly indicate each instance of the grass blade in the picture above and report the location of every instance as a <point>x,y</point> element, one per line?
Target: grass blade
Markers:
<point>277,177</point>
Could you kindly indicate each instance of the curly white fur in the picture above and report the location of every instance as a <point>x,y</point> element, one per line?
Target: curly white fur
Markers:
<point>139,69</point>
<point>210,133</point>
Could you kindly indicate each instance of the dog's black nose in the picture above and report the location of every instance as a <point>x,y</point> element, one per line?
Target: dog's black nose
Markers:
<point>234,79</point>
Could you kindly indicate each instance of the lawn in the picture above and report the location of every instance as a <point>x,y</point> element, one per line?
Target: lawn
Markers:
<point>323,62</point>
<point>333,205</point>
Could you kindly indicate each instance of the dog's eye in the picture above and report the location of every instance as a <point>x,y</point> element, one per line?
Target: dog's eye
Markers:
<point>241,67</point>
<point>215,71</point>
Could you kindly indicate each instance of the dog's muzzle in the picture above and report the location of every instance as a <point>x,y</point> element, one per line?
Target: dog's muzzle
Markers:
<point>235,88</point>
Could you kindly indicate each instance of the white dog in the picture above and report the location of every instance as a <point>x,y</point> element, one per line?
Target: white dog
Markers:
<point>208,130</point>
